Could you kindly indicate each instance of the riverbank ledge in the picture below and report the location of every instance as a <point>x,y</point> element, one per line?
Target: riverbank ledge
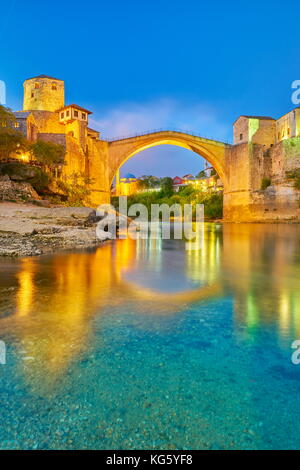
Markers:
<point>28,230</point>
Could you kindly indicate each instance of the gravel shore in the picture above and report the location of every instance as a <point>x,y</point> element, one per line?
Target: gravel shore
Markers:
<point>28,230</point>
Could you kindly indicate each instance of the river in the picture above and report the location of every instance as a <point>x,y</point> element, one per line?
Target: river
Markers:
<point>142,344</point>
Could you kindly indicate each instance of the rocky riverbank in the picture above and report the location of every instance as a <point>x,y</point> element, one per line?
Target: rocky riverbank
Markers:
<point>27,230</point>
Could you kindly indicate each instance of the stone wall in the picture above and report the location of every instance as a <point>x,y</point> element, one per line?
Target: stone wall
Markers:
<point>98,170</point>
<point>59,139</point>
<point>247,165</point>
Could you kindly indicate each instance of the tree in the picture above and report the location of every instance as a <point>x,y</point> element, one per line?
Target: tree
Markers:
<point>167,185</point>
<point>201,174</point>
<point>77,189</point>
<point>149,181</point>
<point>11,140</point>
<point>7,118</point>
<point>48,153</point>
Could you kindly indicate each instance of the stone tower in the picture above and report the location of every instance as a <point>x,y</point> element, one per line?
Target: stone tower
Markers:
<point>43,93</point>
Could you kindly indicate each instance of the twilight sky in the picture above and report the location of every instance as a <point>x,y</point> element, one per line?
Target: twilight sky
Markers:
<point>141,65</point>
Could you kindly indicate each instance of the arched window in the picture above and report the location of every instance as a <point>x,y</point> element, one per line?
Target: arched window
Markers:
<point>36,85</point>
<point>54,87</point>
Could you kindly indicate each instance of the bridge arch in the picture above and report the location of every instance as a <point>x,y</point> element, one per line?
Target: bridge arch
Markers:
<point>213,151</point>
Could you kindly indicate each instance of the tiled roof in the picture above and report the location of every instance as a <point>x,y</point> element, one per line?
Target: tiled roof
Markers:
<point>22,114</point>
<point>75,106</point>
<point>45,76</point>
<point>267,118</point>
<point>263,118</point>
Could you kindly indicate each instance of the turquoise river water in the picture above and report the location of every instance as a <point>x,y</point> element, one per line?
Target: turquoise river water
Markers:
<point>146,345</point>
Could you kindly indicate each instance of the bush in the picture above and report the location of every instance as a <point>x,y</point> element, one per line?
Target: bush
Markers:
<point>213,201</point>
<point>48,153</point>
<point>41,180</point>
<point>294,175</point>
<point>265,183</point>
<point>18,171</point>
<point>76,190</point>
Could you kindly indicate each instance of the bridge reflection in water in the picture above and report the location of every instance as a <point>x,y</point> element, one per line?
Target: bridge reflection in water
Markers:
<point>49,304</point>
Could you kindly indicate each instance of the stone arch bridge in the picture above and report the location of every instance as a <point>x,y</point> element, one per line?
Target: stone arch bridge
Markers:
<point>242,168</point>
<point>120,150</point>
<point>229,163</point>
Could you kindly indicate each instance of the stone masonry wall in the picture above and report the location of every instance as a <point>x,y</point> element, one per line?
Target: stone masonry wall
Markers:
<point>248,165</point>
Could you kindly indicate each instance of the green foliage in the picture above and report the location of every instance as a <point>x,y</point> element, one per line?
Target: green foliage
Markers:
<point>41,180</point>
<point>186,191</point>
<point>213,201</point>
<point>7,118</point>
<point>297,184</point>
<point>12,142</point>
<point>48,153</point>
<point>265,183</point>
<point>38,179</point>
<point>294,175</point>
<point>148,182</point>
<point>76,189</point>
<point>167,186</point>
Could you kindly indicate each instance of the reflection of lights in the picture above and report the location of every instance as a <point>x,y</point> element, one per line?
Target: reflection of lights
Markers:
<point>284,311</point>
<point>26,288</point>
<point>252,317</point>
<point>296,313</point>
<point>203,265</point>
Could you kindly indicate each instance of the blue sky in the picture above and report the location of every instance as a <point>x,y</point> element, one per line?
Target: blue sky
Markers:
<point>140,65</point>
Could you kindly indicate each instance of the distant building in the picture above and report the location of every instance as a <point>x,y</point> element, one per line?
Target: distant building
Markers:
<point>207,183</point>
<point>127,185</point>
<point>177,183</point>
<point>188,177</point>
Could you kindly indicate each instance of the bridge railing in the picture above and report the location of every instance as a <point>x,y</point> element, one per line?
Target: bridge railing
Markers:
<point>157,131</point>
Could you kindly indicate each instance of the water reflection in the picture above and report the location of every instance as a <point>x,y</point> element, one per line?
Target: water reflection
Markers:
<point>261,266</point>
<point>49,303</point>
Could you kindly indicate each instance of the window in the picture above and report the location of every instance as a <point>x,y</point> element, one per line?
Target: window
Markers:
<point>62,115</point>
<point>83,115</point>
<point>289,131</point>
<point>68,113</point>
<point>278,135</point>
<point>32,95</point>
<point>75,113</point>
<point>241,136</point>
<point>36,86</point>
<point>17,124</point>
<point>54,87</point>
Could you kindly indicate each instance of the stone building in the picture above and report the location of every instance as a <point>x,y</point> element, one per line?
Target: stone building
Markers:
<point>266,130</point>
<point>46,117</point>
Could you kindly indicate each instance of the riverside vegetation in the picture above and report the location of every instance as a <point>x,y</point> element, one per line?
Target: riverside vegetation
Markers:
<point>212,200</point>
